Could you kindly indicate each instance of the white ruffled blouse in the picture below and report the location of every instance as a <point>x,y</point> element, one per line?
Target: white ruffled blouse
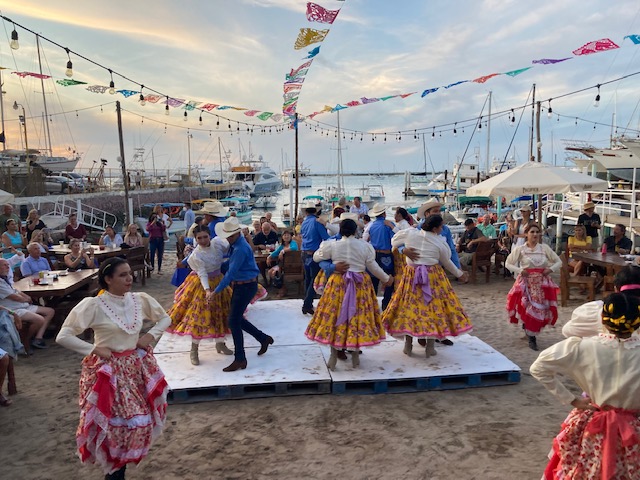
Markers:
<point>206,260</point>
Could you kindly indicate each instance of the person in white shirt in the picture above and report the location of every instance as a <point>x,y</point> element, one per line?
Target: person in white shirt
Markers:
<point>424,304</point>
<point>600,437</point>
<point>196,311</point>
<point>359,207</point>
<point>118,371</point>
<point>348,314</point>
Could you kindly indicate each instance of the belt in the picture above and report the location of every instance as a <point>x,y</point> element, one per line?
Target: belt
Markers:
<point>383,251</point>
<point>309,252</point>
<point>242,282</point>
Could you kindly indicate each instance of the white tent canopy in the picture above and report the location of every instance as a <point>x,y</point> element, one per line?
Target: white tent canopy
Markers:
<point>534,178</point>
<point>6,197</point>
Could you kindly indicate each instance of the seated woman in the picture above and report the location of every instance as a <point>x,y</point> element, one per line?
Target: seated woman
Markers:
<point>12,238</point>
<point>110,238</point>
<point>132,237</point>
<point>79,258</point>
<point>580,242</point>
<point>33,223</point>
<point>275,259</point>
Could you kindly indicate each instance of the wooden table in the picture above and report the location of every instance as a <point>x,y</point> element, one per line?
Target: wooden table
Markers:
<point>611,261</point>
<point>60,288</point>
<point>99,255</point>
<point>261,260</point>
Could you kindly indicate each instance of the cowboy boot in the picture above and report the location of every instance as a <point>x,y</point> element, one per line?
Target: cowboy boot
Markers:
<point>408,345</point>
<point>222,348</point>
<point>533,344</point>
<point>430,350</point>
<point>194,354</point>
<point>355,358</point>
<point>333,359</point>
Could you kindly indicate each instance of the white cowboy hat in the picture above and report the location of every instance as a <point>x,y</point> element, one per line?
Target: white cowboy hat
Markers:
<point>229,227</point>
<point>428,205</point>
<point>525,208</point>
<point>377,210</point>
<point>311,204</point>
<point>349,216</point>
<point>215,209</point>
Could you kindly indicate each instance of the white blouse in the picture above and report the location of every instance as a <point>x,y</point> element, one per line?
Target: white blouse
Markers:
<point>116,322</point>
<point>205,260</point>
<point>540,256</point>
<point>401,225</point>
<point>359,254</point>
<point>432,248</point>
<point>602,366</point>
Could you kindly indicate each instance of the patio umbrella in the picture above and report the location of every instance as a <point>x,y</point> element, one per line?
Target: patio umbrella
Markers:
<point>6,197</point>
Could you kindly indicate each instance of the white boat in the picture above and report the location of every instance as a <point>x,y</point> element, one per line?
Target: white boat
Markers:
<point>289,175</point>
<point>256,177</point>
<point>239,206</point>
<point>268,201</point>
<point>17,160</point>
<point>376,192</point>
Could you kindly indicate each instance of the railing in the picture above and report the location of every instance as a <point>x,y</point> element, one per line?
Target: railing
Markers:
<point>89,216</point>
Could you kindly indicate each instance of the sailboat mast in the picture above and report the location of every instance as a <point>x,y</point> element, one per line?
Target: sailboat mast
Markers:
<point>533,115</point>
<point>220,157</point>
<point>44,98</point>
<point>488,136</point>
<point>424,156</point>
<point>4,142</point>
<point>340,172</point>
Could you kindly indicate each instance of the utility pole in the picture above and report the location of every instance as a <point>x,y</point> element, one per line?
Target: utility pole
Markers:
<point>125,179</point>
<point>2,130</point>
<point>294,213</point>
<point>189,137</point>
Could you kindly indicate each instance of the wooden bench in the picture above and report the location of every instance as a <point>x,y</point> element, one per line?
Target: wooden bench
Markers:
<point>136,257</point>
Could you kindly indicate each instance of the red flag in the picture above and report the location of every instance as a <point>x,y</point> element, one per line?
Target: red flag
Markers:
<point>317,13</point>
<point>485,78</point>
<point>595,47</point>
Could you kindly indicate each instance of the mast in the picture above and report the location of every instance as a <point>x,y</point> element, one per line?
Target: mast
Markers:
<point>4,143</point>
<point>220,157</point>
<point>295,212</point>
<point>44,98</point>
<point>424,155</point>
<point>533,113</point>
<point>125,177</point>
<point>488,136</point>
<point>340,172</point>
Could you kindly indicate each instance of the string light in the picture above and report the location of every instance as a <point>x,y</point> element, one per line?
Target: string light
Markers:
<point>141,99</point>
<point>166,108</point>
<point>69,71</point>
<point>14,39</point>
<point>550,111</point>
<point>596,102</point>
<point>455,131</point>
<point>112,86</point>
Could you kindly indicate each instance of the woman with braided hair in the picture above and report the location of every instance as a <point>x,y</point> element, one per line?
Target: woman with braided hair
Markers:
<point>601,436</point>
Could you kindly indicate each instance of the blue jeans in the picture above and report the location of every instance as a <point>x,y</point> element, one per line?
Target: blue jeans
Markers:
<point>385,260</point>
<point>156,244</point>
<point>311,269</point>
<point>242,295</point>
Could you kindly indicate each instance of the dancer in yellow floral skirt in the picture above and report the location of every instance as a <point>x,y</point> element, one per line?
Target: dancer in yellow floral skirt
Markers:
<point>197,312</point>
<point>348,315</point>
<point>424,305</point>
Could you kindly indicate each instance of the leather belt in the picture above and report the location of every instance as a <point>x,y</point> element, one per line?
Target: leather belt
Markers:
<point>383,251</point>
<point>242,282</point>
<point>309,252</point>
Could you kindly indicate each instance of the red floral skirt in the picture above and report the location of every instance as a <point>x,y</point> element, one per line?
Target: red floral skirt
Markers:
<point>534,299</point>
<point>600,444</point>
<point>123,405</point>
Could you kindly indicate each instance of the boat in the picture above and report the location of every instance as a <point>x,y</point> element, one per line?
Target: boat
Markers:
<point>256,177</point>
<point>289,175</point>
<point>268,201</point>
<point>239,206</point>
<point>376,192</point>
<point>319,199</point>
<point>17,161</point>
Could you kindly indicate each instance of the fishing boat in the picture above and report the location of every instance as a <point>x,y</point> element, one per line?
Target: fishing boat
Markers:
<point>267,201</point>
<point>240,206</point>
<point>289,177</point>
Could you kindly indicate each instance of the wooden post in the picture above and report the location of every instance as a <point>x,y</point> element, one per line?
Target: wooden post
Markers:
<point>294,213</point>
<point>125,180</point>
<point>539,159</point>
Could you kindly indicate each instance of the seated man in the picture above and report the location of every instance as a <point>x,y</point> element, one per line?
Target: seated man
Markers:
<point>618,242</point>
<point>468,242</point>
<point>19,303</point>
<point>35,262</point>
<point>267,236</point>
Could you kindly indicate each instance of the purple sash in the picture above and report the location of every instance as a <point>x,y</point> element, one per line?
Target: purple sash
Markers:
<point>421,277</point>
<point>348,308</point>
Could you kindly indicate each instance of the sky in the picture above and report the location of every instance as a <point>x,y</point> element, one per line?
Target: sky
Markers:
<point>238,52</point>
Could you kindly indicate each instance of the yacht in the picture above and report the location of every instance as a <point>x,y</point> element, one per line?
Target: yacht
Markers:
<point>17,160</point>
<point>258,179</point>
<point>289,175</point>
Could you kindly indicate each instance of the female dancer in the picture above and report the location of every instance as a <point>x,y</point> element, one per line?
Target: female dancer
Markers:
<point>534,295</point>
<point>156,229</point>
<point>348,315</point>
<point>122,389</point>
<point>424,305</point>
<point>196,311</point>
<point>600,437</point>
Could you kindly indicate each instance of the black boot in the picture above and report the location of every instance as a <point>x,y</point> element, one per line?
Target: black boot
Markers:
<point>117,475</point>
<point>533,344</point>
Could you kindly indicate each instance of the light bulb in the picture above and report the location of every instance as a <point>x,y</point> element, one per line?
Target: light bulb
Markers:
<point>69,71</point>
<point>200,120</point>
<point>166,109</point>
<point>112,88</point>
<point>185,116</point>
<point>14,40</point>
<point>596,102</point>
<point>143,102</point>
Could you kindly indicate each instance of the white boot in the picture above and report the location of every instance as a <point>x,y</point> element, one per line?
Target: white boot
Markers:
<point>333,359</point>
<point>430,350</point>
<point>408,345</point>
<point>194,354</point>
<point>222,348</point>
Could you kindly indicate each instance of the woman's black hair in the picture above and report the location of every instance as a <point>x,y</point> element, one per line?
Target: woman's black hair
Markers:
<point>348,228</point>
<point>629,275</point>
<point>403,213</point>
<point>107,269</point>
<point>432,222</point>
<point>153,214</point>
<point>621,314</point>
<point>201,228</point>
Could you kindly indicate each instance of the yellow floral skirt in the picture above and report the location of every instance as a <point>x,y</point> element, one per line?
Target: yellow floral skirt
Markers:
<point>320,282</point>
<point>399,262</point>
<point>192,316</point>
<point>409,314</point>
<point>361,330</point>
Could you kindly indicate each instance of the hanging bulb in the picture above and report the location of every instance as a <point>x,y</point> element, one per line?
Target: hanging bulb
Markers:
<point>480,124</point>
<point>200,120</point>
<point>185,116</point>
<point>550,111</point>
<point>596,102</point>
<point>112,88</point>
<point>14,40</point>
<point>217,122</point>
<point>166,109</point>
<point>69,71</point>
<point>455,131</point>
<point>141,99</point>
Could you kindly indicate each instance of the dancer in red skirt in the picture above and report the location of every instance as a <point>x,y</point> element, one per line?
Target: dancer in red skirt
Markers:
<point>122,390</point>
<point>533,297</point>
<point>600,439</point>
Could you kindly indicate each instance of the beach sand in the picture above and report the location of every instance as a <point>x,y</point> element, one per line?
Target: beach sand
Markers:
<point>477,433</point>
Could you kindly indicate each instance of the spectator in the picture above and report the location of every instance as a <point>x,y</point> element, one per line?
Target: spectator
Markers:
<point>268,216</point>
<point>35,262</point>
<point>7,213</point>
<point>359,207</point>
<point>580,242</point>
<point>12,238</point>
<point>110,238</point>
<point>133,237</point>
<point>257,227</point>
<point>157,230</point>
<point>487,229</point>
<point>74,229</point>
<point>518,235</point>
<point>468,242</point>
<point>79,258</point>
<point>189,217</point>
<point>138,180</point>
<point>618,242</point>
<point>590,219</point>
<point>33,223</point>
<point>265,237</point>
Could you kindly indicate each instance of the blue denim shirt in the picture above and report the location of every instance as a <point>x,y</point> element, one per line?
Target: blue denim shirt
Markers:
<point>240,266</point>
<point>313,233</point>
<point>380,234</point>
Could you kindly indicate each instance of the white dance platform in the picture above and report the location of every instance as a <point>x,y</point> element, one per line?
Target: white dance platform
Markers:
<point>294,365</point>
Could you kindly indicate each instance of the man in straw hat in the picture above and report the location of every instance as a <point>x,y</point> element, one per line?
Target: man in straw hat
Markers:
<point>242,275</point>
<point>313,233</point>
<point>380,235</point>
<point>590,219</point>
<point>214,213</point>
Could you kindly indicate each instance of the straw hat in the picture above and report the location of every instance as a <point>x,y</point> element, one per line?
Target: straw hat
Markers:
<point>428,205</point>
<point>229,227</point>
<point>525,208</point>
<point>377,210</point>
<point>349,216</point>
<point>311,204</point>
<point>215,209</point>
<point>588,205</point>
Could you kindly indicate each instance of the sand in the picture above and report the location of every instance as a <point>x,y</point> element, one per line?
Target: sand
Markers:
<point>479,433</point>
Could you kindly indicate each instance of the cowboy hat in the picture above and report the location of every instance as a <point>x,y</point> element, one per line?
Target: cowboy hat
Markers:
<point>311,204</point>
<point>428,205</point>
<point>345,216</point>
<point>377,210</point>
<point>215,209</point>
<point>229,227</point>
<point>588,205</point>
<point>525,208</point>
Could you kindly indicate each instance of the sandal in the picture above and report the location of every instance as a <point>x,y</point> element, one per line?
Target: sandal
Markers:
<point>5,402</point>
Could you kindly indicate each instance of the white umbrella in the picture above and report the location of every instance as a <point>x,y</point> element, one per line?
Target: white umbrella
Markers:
<point>6,197</point>
<point>537,178</point>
